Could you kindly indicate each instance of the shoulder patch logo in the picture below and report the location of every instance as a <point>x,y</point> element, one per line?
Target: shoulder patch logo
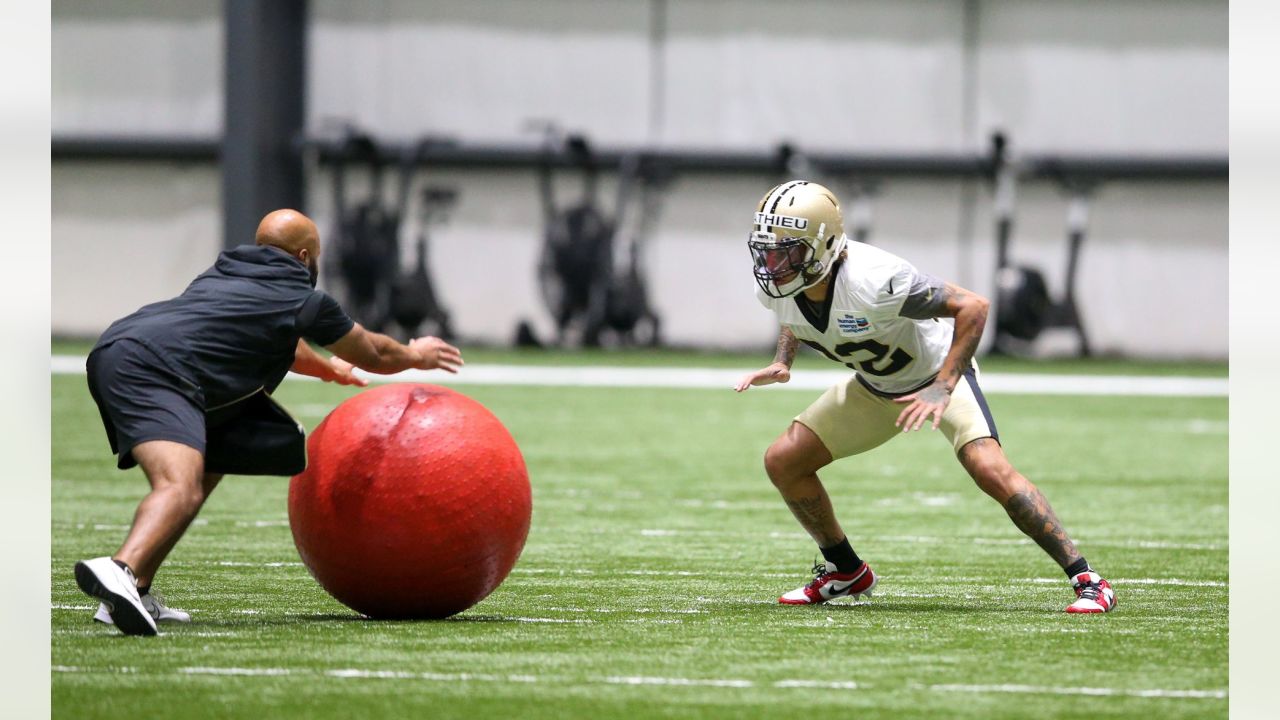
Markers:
<point>850,324</point>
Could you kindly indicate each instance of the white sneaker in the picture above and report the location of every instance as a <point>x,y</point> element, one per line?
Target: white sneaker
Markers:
<point>115,586</point>
<point>154,605</point>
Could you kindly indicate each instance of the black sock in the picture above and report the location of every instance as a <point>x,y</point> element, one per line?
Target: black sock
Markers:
<point>842,556</point>
<point>144,589</point>
<point>1078,567</point>
<point>123,565</point>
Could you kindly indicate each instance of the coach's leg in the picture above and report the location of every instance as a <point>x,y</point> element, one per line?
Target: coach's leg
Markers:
<point>1027,507</point>
<point>179,486</point>
<point>207,485</point>
<point>792,462</point>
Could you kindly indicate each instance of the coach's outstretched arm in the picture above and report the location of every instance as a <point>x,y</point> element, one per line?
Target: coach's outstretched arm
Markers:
<point>306,361</point>
<point>382,354</point>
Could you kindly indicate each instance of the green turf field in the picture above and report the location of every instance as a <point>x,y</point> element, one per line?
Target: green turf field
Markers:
<point>657,550</point>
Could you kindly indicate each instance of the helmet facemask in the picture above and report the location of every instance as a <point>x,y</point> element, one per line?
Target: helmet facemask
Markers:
<point>784,266</point>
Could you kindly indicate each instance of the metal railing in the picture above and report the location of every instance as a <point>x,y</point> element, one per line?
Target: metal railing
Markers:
<point>442,152</point>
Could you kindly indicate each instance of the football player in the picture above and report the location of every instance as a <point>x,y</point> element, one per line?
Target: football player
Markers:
<point>874,312</point>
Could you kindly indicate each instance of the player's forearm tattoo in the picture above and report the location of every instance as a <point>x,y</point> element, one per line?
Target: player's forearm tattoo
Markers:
<point>1032,514</point>
<point>814,514</point>
<point>970,322</point>
<point>787,343</point>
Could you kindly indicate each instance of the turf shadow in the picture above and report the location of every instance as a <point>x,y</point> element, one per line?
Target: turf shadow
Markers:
<point>889,607</point>
<point>295,619</point>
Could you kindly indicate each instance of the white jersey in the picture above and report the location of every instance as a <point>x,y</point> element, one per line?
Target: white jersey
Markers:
<point>861,327</point>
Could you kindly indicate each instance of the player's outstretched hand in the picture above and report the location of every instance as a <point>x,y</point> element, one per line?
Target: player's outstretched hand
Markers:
<point>932,400</point>
<point>775,373</point>
<point>437,354</point>
<point>342,373</point>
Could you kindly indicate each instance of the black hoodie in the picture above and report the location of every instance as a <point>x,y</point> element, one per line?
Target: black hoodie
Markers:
<point>236,326</point>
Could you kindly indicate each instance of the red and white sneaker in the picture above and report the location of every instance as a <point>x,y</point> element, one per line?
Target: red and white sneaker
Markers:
<point>830,585</point>
<point>1093,594</point>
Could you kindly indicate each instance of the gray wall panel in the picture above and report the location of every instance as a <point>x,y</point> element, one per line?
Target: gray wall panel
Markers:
<point>139,67</point>
<point>1095,76</point>
<point>481,71</point>
<point>1140,76</point>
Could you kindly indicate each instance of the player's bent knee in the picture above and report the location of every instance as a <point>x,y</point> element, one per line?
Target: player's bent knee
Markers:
<point>787,460</point>
<point>775,462</point>
<point>784,463</point>
<point>998,479</point>
<point>990,470</point>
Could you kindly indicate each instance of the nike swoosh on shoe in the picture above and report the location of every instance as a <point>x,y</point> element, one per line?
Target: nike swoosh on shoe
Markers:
<point>832,590</point>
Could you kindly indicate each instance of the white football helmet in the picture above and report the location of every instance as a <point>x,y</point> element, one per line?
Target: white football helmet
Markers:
<point>797,236</point>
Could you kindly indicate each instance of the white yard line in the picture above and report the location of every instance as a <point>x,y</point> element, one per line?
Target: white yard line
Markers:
<point>650,681</point>
<point>687,682</point>
<point>1140,581</point>
<point>1142,544</point>
<point>947,540</point>
<point>351,673</point>
<point>248,672</point>
<point>816,684</point>
<point>1049,690</point>
<point>724,379</point>
<point>938,580</point>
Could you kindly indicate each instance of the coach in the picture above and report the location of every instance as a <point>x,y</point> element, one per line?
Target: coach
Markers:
<point>184,389</point>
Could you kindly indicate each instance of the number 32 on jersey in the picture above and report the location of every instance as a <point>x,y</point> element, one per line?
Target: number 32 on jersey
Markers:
<point>881,361</point>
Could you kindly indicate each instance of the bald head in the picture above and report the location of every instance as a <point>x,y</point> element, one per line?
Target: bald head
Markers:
<point>289,230</point>
<point>294,233</point>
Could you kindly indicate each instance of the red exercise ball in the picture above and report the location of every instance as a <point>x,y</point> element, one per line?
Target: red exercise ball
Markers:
<point>415,502</point>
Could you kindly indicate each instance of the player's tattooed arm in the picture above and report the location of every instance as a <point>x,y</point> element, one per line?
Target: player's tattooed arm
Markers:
<point>780,370</point>
<point>970,312</point>
<point>787,344</point>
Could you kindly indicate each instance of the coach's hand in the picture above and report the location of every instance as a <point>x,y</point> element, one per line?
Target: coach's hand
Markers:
<point>775,373</point>
<point>932,400</point>
<point>436,354</point>
<point>342,373</point>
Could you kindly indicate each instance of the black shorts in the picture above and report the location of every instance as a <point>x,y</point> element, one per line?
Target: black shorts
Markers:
<point>140,400</point>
